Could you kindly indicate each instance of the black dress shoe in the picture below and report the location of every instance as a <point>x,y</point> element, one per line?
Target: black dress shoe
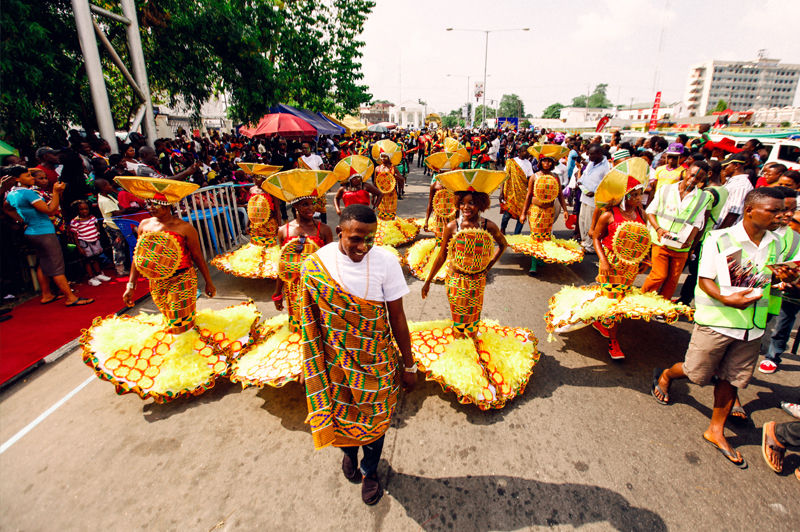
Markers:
<point>350,470</point>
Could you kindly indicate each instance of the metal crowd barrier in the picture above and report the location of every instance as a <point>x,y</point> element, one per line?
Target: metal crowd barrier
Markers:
<point>213,211</point>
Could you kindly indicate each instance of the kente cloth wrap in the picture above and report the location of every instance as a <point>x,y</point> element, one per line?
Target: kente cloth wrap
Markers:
<point>470,250</point>
<point>541,221</point>
<point>263,234</point>
<point>387,208</point>
<point>575,307</point>
<point>465,295</point>
<point>445,209</point>
<point>258,209</point>
<point>140,355</point>
<point>290,270</point>
<point>621,277</point>
<point>515,189</point>
<point>157,255</point>
<point>350,362</point>
<point>546,188</point>
<point>176,298</point>
<point>630,244</point>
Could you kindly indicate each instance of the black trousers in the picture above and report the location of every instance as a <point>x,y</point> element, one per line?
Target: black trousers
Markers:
<point>787,434</point>
<point>372,455</point>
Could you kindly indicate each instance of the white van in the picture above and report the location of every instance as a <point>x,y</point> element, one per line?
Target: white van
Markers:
<point>787,153</point>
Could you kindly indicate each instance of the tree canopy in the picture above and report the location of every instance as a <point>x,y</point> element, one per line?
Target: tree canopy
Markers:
<point>553,111</point>
<point>721,106</point>
<point>598,98</point>
<point>256,53</point>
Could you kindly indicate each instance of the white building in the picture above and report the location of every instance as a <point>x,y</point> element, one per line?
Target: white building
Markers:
<point>644,111</point>
<point>742,84</point>
<point>582,114</point>
<point>409,114</point>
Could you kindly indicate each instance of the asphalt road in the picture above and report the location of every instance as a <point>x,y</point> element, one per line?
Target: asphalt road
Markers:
<point>585,447</point>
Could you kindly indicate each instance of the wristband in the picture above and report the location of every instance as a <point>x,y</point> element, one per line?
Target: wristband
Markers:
<point>412,369</point>
<point>130,285</point>
<point>277,297</point>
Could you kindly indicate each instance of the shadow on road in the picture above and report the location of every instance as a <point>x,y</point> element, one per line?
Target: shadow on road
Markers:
<point>154,412</point>
<point>483,503</point>
<point>287,403</point>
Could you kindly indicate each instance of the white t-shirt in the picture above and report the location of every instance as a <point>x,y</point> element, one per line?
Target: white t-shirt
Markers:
<point>313,161</point>
<point>386,279</point>
<point>526,166</point>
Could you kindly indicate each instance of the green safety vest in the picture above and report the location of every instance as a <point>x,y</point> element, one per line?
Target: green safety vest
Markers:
<point>674,223</point>
<point>789,245</point>
<point>711,312</point>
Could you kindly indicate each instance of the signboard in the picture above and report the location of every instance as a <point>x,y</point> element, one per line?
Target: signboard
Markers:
<point>508,122</point>
<point>654,114</point>
<point>602,123</point>
<point>478,90</point>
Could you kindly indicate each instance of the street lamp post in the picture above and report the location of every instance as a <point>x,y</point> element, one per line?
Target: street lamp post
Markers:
<point>486,58</point>
<point>468,77</point>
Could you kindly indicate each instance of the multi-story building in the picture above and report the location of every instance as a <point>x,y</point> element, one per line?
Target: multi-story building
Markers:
<point>742,85</point>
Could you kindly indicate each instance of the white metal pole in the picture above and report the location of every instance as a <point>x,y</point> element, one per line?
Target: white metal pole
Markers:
<point>94,71</point>
<point>139,68</point>
<point>485,63</point>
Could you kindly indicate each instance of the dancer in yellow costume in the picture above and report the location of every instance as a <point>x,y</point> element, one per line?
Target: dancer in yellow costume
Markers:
<point>622,241</point>
<point>441,211</point>
<point>258,259</point>
<point>181,352</point>
<point>278,359</point>
<point>392,229</point>
<point>543,190</point>
<point>481,361</point>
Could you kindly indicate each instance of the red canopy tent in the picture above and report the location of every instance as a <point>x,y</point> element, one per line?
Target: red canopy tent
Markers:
<point>284,124</point>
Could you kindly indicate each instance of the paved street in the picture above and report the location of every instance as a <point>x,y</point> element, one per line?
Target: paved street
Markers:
<point>585,447</point>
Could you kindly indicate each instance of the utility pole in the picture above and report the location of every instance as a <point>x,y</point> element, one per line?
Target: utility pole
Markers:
<point>586,116</point>
<point>139,68</point>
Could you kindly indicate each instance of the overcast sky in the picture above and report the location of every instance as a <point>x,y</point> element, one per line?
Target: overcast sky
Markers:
<point>571,44</point>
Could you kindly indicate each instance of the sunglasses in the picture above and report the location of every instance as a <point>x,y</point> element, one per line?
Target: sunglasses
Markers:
<point>301,242</point>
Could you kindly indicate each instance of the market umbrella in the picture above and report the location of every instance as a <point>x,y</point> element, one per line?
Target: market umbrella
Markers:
<point>347,130</point>
<point>389,125</point>
<point>378,128</point>
<point>619,180</point>
<point>259,169</point>
<point>388,147</point>
<point>323,126</point>
<point>353,123</point>
<point>285,124</point>
<point>6,149</point>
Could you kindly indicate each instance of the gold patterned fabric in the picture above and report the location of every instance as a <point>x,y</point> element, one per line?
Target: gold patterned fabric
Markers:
<point>350,362</point>
<point>465,295</point>
<point>515,188</point>
<point>157,255</point>
<point>176,298</point>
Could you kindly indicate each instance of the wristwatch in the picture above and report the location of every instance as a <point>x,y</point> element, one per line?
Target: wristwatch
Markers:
<point>412,369</point>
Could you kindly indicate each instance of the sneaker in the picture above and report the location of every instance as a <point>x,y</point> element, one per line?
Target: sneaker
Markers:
<point>614,351</point>
<point>371,491</point>
<point>660,319</point>
<point>101,277</point>
<point>94,282</point>
<point>791,408</point>
<point>602,330</point>
<point>767,366</point>
<point>350,470</point>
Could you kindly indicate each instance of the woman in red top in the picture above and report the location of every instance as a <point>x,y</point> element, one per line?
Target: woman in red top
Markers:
<point>618,278</point>
<point>355,191</point>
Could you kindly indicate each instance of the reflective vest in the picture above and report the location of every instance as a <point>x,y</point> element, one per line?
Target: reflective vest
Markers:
<point>713,313</point>
<point>675,221</point>
<point>790,242</point>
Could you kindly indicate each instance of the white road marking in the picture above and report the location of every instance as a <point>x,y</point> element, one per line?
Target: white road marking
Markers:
<point>41,418</point>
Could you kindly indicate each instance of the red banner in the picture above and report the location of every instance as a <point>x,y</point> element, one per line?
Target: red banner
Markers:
<point>602,123</point>
<point>654,114</point>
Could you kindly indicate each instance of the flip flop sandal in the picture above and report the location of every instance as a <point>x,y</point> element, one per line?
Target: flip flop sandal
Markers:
<point>77,302</point>
<point>731,456</point>
<point>655,386</point>
<point>61,296</point>
<point>765,438</point>
<point>738,410</point>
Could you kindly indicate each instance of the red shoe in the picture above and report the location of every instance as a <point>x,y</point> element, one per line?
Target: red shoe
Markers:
<point>767,366</point>
<point>601,329</point>
<point>614,351</point>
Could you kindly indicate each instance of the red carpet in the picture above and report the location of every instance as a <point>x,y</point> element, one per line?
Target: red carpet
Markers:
<point>36,330</point>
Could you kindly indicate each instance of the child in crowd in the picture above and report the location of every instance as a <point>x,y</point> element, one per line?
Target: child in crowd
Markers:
<point>85,229</point>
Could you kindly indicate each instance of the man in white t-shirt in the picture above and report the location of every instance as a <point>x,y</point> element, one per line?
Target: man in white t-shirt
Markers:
<point>312,160</point>
<point>352,319</point>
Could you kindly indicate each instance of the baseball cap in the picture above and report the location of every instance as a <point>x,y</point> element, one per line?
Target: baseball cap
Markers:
<point>676,148</point>
<point>44,150</point>
<point>735,158</point>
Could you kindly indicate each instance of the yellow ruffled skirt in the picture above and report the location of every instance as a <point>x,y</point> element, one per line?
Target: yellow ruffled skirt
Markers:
<point>253,261</point>
<point>552,250</point>
<point>138,354</point>
<point>420,257</point>
<point>487,371</point>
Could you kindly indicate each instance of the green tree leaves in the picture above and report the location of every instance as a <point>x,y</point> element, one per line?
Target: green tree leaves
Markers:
<point>553,111</point>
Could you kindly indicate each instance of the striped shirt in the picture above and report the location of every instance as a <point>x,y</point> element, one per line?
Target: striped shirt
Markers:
<point>85,229</point>
<point>738,186</point>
